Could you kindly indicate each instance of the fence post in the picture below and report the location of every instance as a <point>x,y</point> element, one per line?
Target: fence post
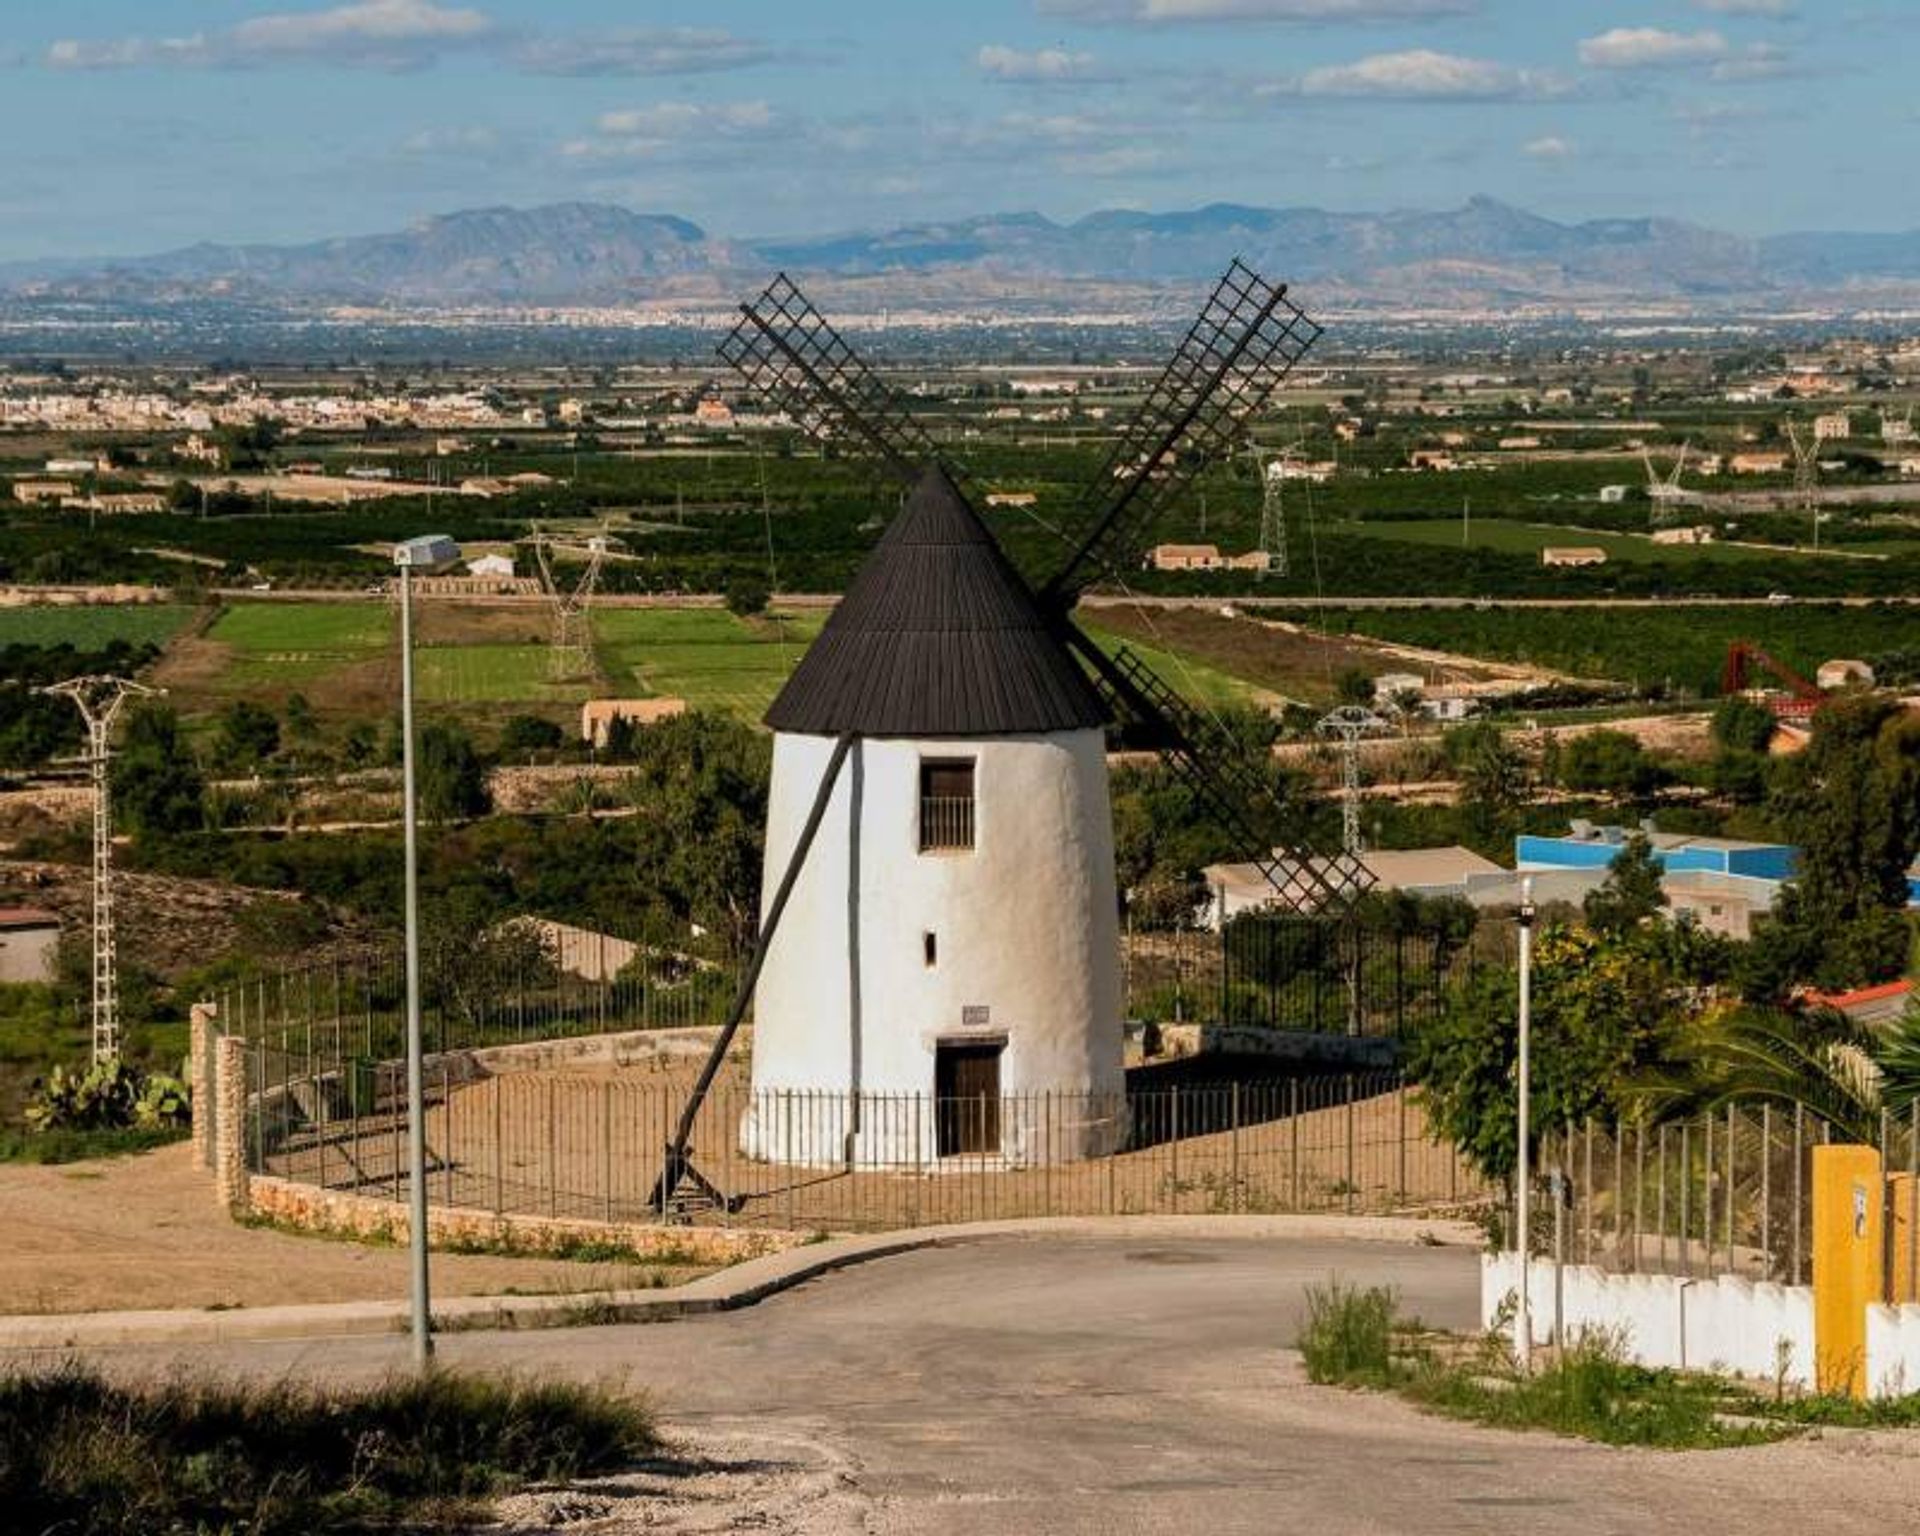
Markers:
<point>1400,1119</point>
<point>201,1025</point>
<point>1293,1129</point>
<point>231,1180</point>
<point>606,1150</point>
<point>1351,1181</point>
<point>1234,1201</point>
<point>499,1164</point>
<point>1173,1183</point>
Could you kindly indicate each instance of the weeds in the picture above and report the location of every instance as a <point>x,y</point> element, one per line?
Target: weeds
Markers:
<point>89,1457</point>
<point>78,1146</point>
<point>1348,1339</point>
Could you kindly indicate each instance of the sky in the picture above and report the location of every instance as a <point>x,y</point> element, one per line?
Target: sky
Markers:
<point>140,125</point>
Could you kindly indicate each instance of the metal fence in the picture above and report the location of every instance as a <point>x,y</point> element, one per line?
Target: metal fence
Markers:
<point>1728,1193</point>
<point>1304,973</point>
<point>588,1145</point>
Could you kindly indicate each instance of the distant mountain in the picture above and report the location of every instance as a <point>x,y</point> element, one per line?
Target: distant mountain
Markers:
<point>1484,253</point>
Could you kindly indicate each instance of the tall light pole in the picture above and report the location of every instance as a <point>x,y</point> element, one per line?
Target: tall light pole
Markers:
<point>431,553</point>
<point>1523,1216</point>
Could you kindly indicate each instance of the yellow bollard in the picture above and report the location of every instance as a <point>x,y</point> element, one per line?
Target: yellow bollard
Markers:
<point>1848,1263</point>
<point>1902,1246</point>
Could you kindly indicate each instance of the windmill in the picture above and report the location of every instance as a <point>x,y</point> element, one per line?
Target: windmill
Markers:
<point>1806,474</point>
<point>570,600</point>
<point>100,700</point>
<point>1665,490</point>
<point>939,833</point>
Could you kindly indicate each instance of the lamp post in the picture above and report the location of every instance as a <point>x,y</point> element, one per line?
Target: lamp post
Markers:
<point>431,553</point>
<point>1523,1216</point>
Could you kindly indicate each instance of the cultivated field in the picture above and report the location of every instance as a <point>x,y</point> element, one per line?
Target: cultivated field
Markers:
<point>1531,538</point>
<point>88,627</point>
<point>706,656</point>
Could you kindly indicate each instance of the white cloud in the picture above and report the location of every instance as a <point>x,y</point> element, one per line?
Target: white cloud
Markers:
<point>1050,65</point>
<point>1651,48</point>
<point>373,34</point>
<point>1548,147</point>
<point>669,127</point>
<point>642,51</point>
<point>1420,74</point>
<point>1173,12</point>
<point>1747,7</point>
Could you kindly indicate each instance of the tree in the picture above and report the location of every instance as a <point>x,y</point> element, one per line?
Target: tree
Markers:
<point>249,733</point>
<point>1851,802</point>
<point>527,735</point>
<point>747,595</point>
<point>157,784</point>
<point>1741,725</point>
<point>1631,893</point>
<point>1353,686</point>
<point>452,782</point>
<point>1493,776</point>
<point>1609,763</point>
<point>1605,1011</point>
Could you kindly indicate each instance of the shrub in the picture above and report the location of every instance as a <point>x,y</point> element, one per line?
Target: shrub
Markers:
<point>89,1457</point>
<point>1348,1340</point>
<point>110,1095</point>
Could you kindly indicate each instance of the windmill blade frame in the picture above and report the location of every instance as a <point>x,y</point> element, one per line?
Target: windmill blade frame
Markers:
<point>1247,338</point>
<point>791,354</point>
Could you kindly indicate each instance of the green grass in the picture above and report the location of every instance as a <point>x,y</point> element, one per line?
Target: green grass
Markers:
<point>93,628</point>
<point>706,656</point>
<point>490,674</point>
<point>88,1457</point>
<point>1196,681</point>
<point>1355,1338</point>
<point>51,1147</point>
<point>292,644</point>
<point>1530,538</point>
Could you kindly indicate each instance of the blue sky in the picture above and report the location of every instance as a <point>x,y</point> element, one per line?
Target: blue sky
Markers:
<point>135,125</point>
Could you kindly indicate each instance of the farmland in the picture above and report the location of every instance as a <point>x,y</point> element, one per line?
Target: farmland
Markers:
<point>706,656</point>
<point>1530,538</point>
<point>1680,646</point>
<point>93,627</point>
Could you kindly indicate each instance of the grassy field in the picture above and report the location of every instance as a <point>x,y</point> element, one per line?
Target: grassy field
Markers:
<point>490,673</point>
<point>706,656</point>
<point>288,644</point>
<point>1530,538</point>
<point>1195,679</point>
<point>90,628</point>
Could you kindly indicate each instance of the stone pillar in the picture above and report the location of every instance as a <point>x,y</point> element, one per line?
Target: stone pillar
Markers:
<point>230,1123</point>
<point>201,1033</point>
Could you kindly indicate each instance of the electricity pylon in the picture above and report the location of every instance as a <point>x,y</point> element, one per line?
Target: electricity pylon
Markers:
<point>99,699</point>
<point>572,652</point>
<point>1349,724</point>
<point>1806,474</point>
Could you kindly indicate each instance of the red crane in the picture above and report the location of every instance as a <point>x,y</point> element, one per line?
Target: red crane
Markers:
<point>1802,697</point>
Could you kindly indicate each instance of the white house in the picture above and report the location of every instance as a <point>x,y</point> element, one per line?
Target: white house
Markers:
<point>953,933</point>
<point>490,565</point>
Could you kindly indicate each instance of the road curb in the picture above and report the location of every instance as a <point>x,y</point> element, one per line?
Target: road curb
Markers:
<point>727,1290</point>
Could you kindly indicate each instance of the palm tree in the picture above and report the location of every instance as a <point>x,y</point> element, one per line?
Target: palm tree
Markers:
<point>1841,1070</point>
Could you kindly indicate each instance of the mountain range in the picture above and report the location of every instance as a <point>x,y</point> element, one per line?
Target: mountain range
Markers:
<point>1483,254</point>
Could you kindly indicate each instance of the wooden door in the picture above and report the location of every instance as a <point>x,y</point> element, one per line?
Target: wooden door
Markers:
<point>966,1079</point>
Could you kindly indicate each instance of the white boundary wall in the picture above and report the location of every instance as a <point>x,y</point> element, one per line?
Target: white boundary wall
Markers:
<point>1724,1324</point>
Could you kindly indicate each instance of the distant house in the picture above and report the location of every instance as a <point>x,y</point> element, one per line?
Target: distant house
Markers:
<point>1573,554</point>
<point>1432,458</point>
<point>1011,498</point>
<point>1203,557</point>
<point>1757,463</point>
<point>123,502</point>
<point>1833,427</point>
<point>597,715</point>
<point>490,565</point>
<point>1612,495</point>
<point>715,414</point>
<point>75,466</point>
<point>1866,1005</point>
<point>1434,872</point>
<point>29,944</point>
<point>1699,534</point>
<point>36,492</point>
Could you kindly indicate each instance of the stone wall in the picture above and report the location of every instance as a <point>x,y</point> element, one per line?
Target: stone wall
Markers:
<point>338,1213</point>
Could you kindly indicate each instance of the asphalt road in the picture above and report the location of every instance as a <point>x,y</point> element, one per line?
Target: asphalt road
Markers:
<point>1137,1384</point>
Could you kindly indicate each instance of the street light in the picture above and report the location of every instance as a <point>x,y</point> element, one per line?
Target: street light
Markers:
<point>434,552</point>
<point>1523,1314</point>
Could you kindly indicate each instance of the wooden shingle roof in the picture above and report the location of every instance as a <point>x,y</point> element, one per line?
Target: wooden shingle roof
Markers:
<point>936,636</point>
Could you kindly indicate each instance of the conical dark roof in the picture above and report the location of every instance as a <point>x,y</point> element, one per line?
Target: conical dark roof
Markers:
<point>937,636</point>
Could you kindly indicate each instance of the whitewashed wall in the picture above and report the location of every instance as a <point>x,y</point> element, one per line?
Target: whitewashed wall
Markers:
<point>1893,1350</point>
<point>1724,1324</point>
<point>1026,927</point>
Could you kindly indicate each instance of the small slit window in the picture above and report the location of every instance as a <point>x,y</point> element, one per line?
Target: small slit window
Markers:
<point>946,804</point>
<point>930,949</point>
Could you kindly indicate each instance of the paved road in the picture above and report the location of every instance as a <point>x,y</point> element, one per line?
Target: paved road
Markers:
<point>1103,1385</point>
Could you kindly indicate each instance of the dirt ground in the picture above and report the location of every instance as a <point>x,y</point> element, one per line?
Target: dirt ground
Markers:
<point>139,1232</point>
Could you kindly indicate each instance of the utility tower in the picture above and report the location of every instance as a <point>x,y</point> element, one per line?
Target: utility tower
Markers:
<point>1348,725</point>
<point>1806,474</point>
<point>572,650</point>
<point>99,700</point>
<point>1273,517</point>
